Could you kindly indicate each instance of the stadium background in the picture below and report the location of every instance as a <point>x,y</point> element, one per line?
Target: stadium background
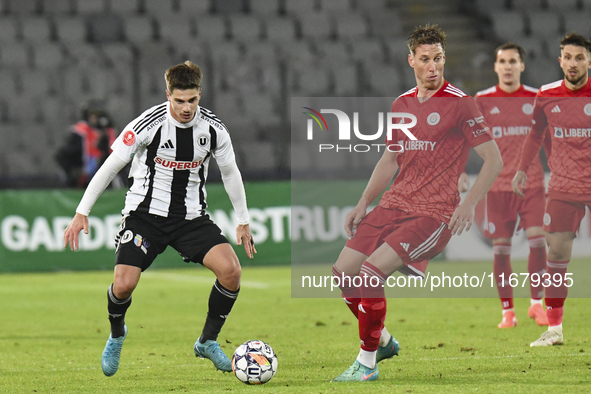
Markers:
<point>60,56</point>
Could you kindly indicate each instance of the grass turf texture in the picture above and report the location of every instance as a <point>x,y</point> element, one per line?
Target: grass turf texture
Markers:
<point>54,328</point>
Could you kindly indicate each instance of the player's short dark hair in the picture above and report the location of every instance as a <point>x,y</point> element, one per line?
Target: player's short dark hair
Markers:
<point>429,34</point>
<point>511,45</point>
<point>183,76</point>
<point>576,40</point>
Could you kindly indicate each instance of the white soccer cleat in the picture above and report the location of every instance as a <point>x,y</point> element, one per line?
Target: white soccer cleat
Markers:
<point>548,338</point>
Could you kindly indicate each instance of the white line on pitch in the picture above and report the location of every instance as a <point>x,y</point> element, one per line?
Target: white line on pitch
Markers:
<point>200,279</point>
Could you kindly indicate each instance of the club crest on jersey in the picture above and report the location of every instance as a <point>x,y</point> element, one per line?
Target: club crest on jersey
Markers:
<point>527,109</point>
<point>127,236</point>
<point>587,109</point>
<point>138,240</point>
<point>558,133</point>
<point>433,118</point>
<point>547,219</point>
<point>203,140</point>
<point>129,138</point>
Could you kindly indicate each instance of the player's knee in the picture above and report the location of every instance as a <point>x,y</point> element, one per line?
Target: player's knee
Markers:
<point>230,277</point>
<point>123,287</point>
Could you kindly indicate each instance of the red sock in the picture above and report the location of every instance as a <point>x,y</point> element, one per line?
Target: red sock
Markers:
<point>536,264</point>
<point>350,293</point>
<point>502,269</point>
<point>555,296</point>
<point>372,309</point>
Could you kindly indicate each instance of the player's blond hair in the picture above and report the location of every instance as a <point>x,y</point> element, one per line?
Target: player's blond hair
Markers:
<point>183,76</point>
<point>429,34</point>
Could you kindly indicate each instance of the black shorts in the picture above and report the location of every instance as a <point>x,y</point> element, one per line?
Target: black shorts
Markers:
<point>143,236</point>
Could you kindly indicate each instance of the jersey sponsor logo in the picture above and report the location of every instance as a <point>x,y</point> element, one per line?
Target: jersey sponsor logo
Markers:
<point>497,131</point>
<point>582,133</point>
<point>587,109</point>
<point>167,145</point>
<point>527,109</point>
<point>547,219</point>
<point>495,111</point>
<point>558,132</point>
<point>179,165</point>
<point>129,138</point>
<point>479,132</point>
<point>433,118</point>
<point>405,245</point>
<point>417,145</point>
<point>556,109</point>
<point>211,121</point>
<point>472,122</point>
<point>156,123</point>
<point>203,140</point>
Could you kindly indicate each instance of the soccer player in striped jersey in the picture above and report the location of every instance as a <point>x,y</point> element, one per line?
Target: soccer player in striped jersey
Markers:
<point>565,107</point>
<point>416,217</point>
<point>508,108</point>
<point>170,146</point>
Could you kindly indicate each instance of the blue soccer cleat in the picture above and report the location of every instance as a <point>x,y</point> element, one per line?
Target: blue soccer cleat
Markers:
<point>388,351</point>
<point>358,373</point>
<point>112,353</point>
<point>211,350</point>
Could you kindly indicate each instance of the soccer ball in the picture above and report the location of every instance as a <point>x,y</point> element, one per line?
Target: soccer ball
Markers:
<point>254,362</point>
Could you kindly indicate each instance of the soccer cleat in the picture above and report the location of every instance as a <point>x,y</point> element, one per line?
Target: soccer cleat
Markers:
<point>112,354</point>
<point>509,320</point>
<point>358,373</point>
<point>211,350</point>
<point>538,313</point>
<point>548,338</point>
<point>388,351</point>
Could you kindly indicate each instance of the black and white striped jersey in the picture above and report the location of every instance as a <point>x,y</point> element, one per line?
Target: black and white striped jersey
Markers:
<point>170,161</point>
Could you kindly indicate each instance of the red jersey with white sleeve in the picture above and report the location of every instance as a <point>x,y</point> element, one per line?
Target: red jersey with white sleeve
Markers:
<point>568,115</point>
<point>448,124</point>
<point>509,117</point>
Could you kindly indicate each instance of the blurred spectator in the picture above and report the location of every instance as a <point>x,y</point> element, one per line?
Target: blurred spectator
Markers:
<point>86,147</point>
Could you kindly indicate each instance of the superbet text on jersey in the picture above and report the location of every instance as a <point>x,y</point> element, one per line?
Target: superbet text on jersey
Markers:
<point>448,125</point>
<point>509,116</point>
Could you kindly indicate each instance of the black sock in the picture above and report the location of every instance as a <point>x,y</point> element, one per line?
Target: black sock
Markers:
<point>117,309</point>
<point>221,301</point>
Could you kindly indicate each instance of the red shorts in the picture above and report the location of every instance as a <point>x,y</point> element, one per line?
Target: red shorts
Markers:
<point>416,239</point>
<point>564,212</point>
<point>503,208</point>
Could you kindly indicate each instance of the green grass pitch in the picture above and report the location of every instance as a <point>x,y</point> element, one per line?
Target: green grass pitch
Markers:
<point>54,327</point>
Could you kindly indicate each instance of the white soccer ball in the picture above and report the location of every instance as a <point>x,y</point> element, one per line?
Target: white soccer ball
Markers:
<point>254,362</point>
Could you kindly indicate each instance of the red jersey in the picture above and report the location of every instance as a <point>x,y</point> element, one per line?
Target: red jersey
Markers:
<point>448,124</point>
<point>568,115</point>
<point>509,117</point>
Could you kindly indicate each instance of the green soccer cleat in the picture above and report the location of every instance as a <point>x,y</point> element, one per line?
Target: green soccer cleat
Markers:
<point>112,354</point>
<point>211,350</point>
<point>388,351</point>
<point>358,373</point>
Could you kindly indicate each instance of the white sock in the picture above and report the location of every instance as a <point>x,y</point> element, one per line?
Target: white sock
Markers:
<point>508,310</point>
<point>367,358</point>
<point>557,329</point>
<point>385,337</point>
<point>534,302</point>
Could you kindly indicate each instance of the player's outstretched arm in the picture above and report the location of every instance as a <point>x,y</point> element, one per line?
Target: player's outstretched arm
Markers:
<point>380,178</point>
<point>493,164</point>
<point>97,185</point>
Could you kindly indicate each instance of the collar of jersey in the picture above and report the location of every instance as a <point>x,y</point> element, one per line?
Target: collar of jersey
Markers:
<point>179,124</point>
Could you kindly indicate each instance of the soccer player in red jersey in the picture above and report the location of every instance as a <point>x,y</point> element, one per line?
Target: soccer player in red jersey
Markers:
<point>416,217</point>
<point>565,107</point>
<point>507,108</point>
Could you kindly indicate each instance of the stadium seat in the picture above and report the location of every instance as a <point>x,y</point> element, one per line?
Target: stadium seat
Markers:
<point>534,47</point>
<point>508,26</point>
<point>178,31</point>
<point>9,30</point>
<point>526,5</point>
<point>363,49</point>
<point>301,162</point>
<point>346,80</point>
<point>260,51</point>
<point>36,82</point>
<point>48,56</point>
<point>121,109</point>
<point>264,7</point>
<point>71,30</point>
<point>118,53</point>
<point>384,80</point>
<point>586,4</point>
<point>57,7</point>
<point>280,29</point>
<point>53,114</point>
<point>397,51</point>
<point>105,28</point>
<point>229,6</point>
<point>262,109</point>
<point>579,22</point>
<point>311,82</point>
<point>563,6</point>
<point>335,5</point>
<point>9,82</point>
<point>158,7</point>
<point>36,29</point>
<point>316,25</point>
<point>541,72</point>
<point>351,26</point>
<point>334,52</point>
<point>297,53</point>
<point>156,56</point>
<point>15,55</point>
<point>139,29</point>
<point>192,7</point>
<point>23,7</point>
<point>301,7</point>
<point>85,7</point>
<point>545,24</point>
<point>245,27</point>
<point>386,24</point>
<point>258,156</point>
<point>84,54</point>
<point>211,28</point>
<point>485,7</point>
<point>17,108</point>
<point>126,7</point>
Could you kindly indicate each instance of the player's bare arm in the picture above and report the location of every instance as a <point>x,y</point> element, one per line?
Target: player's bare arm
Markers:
<point>380,178</point>
<point>71,235</point>
<point>493,164</point>
<point>244,237</point>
